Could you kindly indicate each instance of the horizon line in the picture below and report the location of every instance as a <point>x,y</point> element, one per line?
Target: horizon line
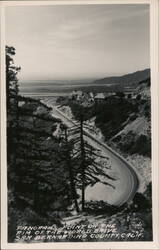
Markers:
<point>84,79</point>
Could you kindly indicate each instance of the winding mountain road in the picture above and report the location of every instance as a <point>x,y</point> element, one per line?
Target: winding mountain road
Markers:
<point>127,182</point>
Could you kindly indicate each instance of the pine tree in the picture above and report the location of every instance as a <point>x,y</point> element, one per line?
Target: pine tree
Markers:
<point>85,155</point>
<point>68,157</point>
<point>12,91</point>
<point>12,88</point>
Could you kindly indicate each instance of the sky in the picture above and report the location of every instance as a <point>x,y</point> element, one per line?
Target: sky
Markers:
<point>78,41</point>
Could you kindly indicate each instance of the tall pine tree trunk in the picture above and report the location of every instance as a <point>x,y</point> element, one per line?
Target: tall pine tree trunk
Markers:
<point>82,163</point>
<point>7,84</point>
<point>71,175</point>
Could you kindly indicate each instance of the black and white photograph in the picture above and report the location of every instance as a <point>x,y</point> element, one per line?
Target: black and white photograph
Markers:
<point>78,96</point>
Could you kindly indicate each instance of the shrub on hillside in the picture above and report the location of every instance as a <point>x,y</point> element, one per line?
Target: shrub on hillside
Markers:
<point>134,144</point>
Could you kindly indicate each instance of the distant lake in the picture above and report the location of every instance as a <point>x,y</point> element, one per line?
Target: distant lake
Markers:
<point>57,88</point>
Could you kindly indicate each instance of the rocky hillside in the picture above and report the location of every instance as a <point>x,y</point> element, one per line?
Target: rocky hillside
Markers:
<point>133,140</point>
<point>135,136</point>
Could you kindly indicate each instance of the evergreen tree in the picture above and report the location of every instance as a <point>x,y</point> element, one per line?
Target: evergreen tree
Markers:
<point>12,107</point>
<point>38,178</point>
<point>69,159</point>
<point>12,88</point>
<point>85,156</point>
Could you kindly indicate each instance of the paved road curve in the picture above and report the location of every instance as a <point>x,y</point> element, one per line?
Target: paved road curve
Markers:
<point>127,180</point>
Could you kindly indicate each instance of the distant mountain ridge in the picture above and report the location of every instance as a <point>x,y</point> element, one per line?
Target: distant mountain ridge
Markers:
<point>126,80</point>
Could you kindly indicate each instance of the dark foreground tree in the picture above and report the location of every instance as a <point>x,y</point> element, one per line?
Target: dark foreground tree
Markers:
<point>37,176</point>
<point>68,155</point>
<point>88,159</point>
<point>11,79</point>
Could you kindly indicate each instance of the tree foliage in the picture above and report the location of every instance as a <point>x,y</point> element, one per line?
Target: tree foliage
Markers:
<point>37,176</point>
<point>11,78</point>
<point>89,167</point>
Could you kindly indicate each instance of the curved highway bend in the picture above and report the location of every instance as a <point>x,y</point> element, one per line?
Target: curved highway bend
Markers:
<point>127,183</point>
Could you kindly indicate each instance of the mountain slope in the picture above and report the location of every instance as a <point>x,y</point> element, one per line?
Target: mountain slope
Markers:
<point>126,80</point>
